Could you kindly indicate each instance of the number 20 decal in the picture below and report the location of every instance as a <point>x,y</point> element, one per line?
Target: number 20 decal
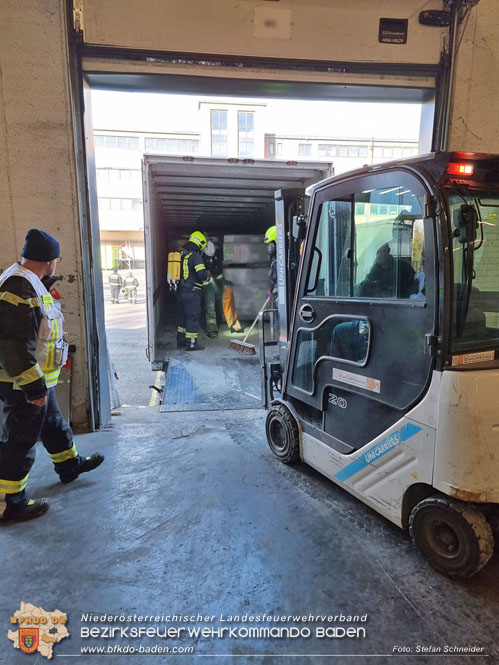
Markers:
<point>337,401</point>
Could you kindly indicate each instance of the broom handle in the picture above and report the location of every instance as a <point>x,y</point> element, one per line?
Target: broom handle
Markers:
<point>256,319</point>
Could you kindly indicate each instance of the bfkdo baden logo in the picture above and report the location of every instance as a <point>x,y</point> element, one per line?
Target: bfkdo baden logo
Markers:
<point>37,630</point>
<point>29,638</point>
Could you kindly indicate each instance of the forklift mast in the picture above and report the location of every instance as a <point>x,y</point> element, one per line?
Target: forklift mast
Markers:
<point>290,206</point>
<point>289,214</point>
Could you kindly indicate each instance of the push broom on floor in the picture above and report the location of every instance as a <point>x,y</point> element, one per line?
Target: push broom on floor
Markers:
<point>244,346</point>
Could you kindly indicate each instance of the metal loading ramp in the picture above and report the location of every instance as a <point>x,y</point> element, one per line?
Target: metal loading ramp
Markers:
<point>211,380</point>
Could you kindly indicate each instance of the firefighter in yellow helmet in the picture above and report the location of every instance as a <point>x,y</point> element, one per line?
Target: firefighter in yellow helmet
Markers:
<point>192,275</point>
<point>270,240</point>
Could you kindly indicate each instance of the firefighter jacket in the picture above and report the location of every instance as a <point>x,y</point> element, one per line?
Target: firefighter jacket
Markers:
<point>130,282</point>
<point>32,342</point>
<point>115,280</point>
<point>193,272</point>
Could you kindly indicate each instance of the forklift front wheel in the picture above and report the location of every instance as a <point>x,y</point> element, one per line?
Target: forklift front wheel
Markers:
<point>454,538</point>
<point>282,434</point>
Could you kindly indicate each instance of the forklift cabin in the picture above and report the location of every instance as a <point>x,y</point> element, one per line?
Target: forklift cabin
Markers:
<point>387,380</point>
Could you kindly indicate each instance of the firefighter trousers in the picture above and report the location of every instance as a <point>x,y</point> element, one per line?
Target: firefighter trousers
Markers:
<point>189,311</point>
<point>23,425</point>
<point>115,294</point>
<point>210,306</point>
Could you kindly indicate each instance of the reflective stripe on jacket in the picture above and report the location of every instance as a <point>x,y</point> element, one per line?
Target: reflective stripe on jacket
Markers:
<point>51,348</point>
<point>194,272</point>
<point>115,279</point>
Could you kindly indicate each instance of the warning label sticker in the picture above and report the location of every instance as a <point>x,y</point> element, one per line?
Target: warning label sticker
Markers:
<point>470,358</point>
<point>365,382</point>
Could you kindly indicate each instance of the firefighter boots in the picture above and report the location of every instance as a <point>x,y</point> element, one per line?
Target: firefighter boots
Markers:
<point>33,508</point>
<point>82,465</point>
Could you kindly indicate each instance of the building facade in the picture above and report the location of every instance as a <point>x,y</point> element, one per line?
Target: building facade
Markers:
<point>235,130</point>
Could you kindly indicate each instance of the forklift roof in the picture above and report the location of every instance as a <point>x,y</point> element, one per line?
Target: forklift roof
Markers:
<point>442,167</point>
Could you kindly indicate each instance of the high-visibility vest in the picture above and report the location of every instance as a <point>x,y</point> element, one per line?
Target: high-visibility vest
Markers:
<point>115,279</point>
<point>51,349</point>
<point>189,278</point>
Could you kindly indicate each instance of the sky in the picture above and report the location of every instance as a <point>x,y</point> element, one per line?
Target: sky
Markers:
<point>165,113</point>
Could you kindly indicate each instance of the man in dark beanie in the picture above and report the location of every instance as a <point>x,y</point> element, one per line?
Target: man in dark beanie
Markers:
<point>32,351</point>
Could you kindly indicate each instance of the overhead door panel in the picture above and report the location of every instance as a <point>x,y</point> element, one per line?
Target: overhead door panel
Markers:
<point>346,30</point>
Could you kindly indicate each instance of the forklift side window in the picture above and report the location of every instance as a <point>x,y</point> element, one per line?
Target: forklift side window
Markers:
<point>330,266</point>
<point>389,244</point>
<point>342,338</point>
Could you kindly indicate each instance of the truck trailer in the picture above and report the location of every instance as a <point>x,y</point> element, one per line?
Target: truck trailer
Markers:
<point>222,198</point>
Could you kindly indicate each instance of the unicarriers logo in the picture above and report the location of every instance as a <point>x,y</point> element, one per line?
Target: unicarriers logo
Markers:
<point>37,630</point>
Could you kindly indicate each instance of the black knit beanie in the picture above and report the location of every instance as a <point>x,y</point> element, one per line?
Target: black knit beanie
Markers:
<point>40,246</point>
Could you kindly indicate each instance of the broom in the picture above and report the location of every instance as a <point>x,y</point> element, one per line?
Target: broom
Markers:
<point>244,346</point>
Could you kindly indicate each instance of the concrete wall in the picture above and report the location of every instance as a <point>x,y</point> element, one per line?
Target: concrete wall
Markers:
<point>37,163</point>
<point>475,115</point>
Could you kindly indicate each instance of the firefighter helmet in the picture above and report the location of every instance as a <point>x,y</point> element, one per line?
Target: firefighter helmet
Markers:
<point>198,239</point>
<point>271,235</point>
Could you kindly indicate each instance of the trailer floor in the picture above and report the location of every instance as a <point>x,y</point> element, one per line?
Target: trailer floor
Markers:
<point>217,377</point>
<point>190,513</point>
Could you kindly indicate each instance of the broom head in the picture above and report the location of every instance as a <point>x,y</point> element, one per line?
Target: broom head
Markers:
<point>243,347</point>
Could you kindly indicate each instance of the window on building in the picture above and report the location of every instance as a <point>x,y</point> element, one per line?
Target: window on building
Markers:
<point>183,146</point>
<point>305,149</point>
<point>120,204</point>
<point>327,150</point>
<point>271,149</point>
<point>120,142</point>
<point>246,134</point>
<point>115,175</point>
<point>352,151</point>
<point>279,148</point>
<point>219,133</point>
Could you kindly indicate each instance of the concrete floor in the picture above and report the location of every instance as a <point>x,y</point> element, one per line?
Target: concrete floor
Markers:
<point>191,513</point>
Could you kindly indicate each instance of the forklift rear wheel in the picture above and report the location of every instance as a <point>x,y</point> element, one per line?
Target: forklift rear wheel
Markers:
<point>455,538</point>
<point>282,434</point>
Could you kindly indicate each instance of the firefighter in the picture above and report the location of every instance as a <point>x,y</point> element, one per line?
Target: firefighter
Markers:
<point>115,282</point>
<point>192,275</point>
<point>130,283</point>
<point>32,352</point>
<point>271,241</point>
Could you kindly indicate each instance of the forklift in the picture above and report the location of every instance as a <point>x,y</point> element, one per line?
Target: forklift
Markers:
<point>384,375</point>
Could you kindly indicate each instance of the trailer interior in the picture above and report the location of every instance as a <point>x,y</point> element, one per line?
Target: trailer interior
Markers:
<point>228,200</point>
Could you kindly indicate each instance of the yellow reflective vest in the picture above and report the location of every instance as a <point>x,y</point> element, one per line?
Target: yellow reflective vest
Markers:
<point>51,348</point>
